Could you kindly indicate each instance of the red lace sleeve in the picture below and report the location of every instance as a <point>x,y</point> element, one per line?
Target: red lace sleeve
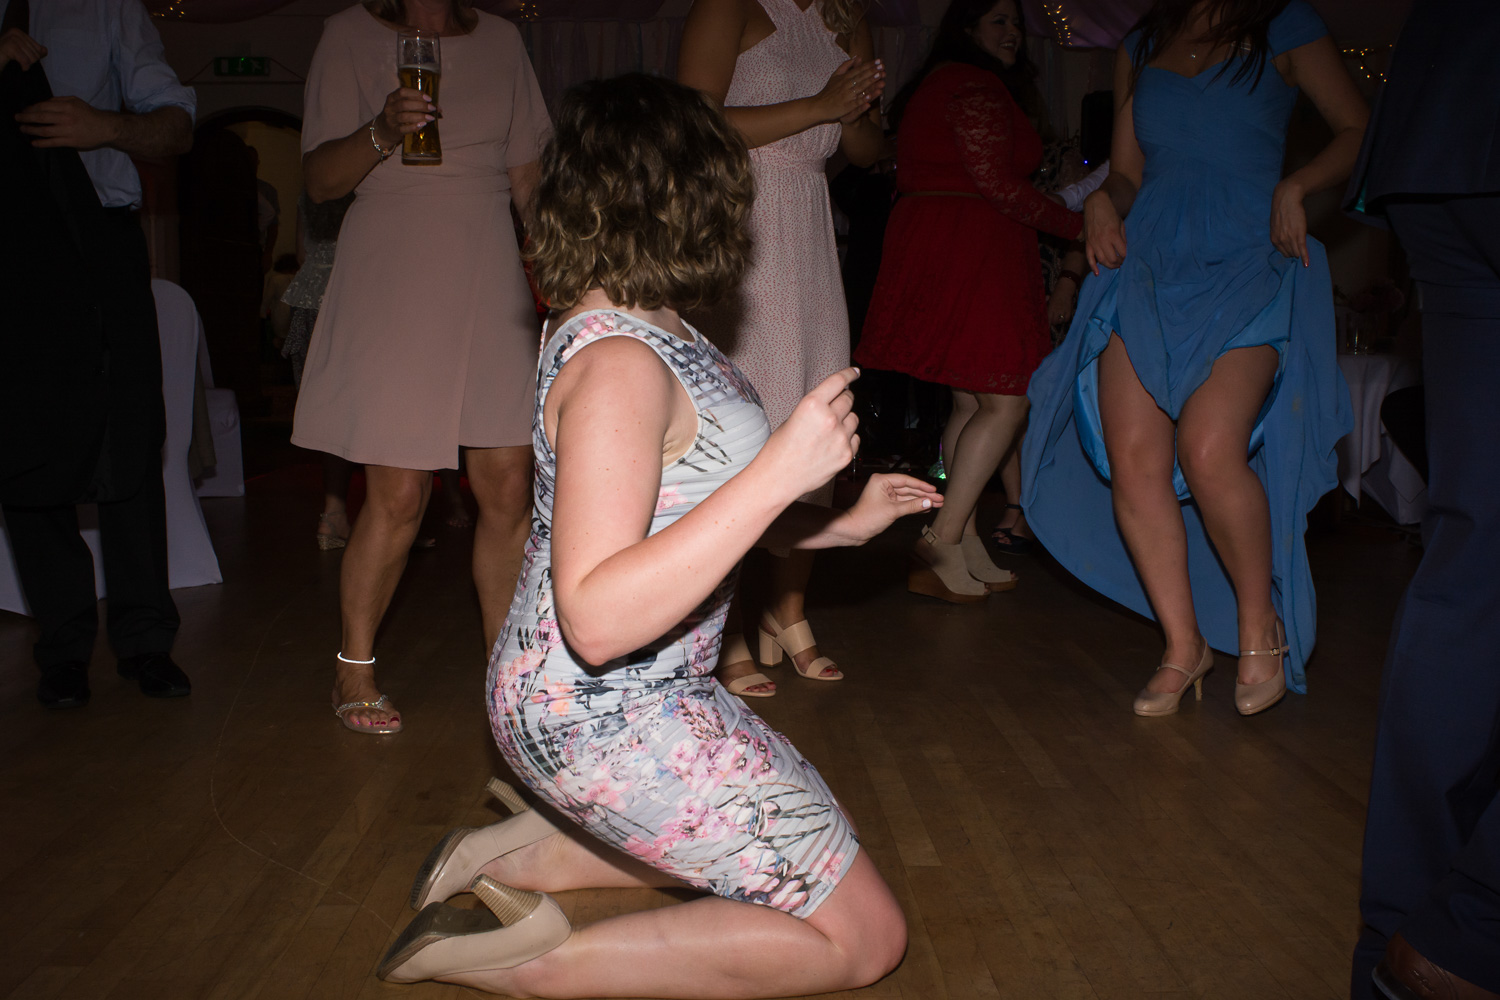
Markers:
<point>981,121</point>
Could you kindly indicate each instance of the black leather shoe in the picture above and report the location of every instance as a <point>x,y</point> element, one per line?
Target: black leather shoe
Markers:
<point>1406,974</point>
<point>66,686</point>
<point>157,675</point>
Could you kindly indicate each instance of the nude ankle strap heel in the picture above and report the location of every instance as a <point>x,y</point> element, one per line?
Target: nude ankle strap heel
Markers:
<point>1253,698</point>
<point>1155,703</point>
<point>451,866</point>
<point>514,927</point>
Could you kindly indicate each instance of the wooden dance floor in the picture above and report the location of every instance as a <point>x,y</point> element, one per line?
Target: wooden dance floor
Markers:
<point>1043,841</point>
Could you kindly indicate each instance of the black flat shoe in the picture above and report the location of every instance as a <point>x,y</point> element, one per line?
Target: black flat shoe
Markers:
<point>66,686</point>
<point>157,675</point>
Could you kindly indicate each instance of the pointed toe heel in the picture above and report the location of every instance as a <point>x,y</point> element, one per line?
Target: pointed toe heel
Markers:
<point>1156,703</point>
<point>451,866</point>
<point>1251,699</point>
<point>514,927</point>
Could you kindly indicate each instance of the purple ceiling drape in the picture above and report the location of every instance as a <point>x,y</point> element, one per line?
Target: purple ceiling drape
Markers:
<point>1076,23</point>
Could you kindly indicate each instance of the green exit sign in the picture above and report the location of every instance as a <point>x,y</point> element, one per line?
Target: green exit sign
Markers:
<point>242,66</point>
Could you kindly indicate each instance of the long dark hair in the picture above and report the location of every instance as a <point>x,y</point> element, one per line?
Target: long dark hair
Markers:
<point>1242,23</point>
<point>953,44</point>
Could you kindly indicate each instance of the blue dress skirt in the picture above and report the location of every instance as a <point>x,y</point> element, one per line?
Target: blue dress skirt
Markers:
<point>1200,277</point>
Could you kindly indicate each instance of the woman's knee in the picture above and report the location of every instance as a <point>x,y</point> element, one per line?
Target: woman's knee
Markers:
<point>865,923</point>
<point>398,499</point>
<point>1212,461</point>
<point>501,480</point>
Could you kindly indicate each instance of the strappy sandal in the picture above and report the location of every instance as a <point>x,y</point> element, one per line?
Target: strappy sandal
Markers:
<point>383,704</point>
<point>1008,541</point>
<point>1253,698</point>
<point>793,639</point>
<point>736,651</point>
<point>513,927</point>
<point>330,539</point>
<point>451,866</point>
<point>393,725</point>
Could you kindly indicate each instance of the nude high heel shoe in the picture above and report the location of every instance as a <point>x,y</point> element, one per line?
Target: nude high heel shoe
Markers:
<point>1153,703</point>
<point>457,858</point>
<point>515,926</point>
<point>938,570</point>
<point>1253,698</point>
<point>793,639</point>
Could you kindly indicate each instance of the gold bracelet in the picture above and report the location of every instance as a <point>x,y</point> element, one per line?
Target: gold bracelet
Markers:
<point>385,154</point>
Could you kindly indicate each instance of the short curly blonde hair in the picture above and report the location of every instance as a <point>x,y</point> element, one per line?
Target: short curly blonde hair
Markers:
<point>644,193</point>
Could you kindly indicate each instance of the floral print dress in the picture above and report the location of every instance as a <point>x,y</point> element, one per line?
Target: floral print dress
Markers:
<point>654,757</point>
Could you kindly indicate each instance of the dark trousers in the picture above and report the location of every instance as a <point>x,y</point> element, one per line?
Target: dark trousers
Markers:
<point>1431,865</point>
<point>55,567</point>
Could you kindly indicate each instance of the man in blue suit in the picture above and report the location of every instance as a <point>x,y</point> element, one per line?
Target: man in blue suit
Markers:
<point>1430,892</point>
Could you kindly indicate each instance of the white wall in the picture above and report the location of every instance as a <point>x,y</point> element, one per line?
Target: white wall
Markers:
<point>287,36</point>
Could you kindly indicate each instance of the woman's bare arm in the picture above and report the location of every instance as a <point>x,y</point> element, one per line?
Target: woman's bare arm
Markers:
<point>1318,69</point>
<point>337,166</point>
<point>711,39</point>
<point>1105,210</point>
<point>863,139</point>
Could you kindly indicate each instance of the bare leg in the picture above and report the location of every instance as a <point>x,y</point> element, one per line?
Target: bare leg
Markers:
<point>1213,439</point>
<point>742,665</point>
<point>788,597</point>
<point>855,937</point>
<point>1012,521</point>
<point>1140,441</point>
<point>373,562</point>
<point>987,434</point>
<point>336,475</point>
<point>572,859</point>
<point>965,405</point>
<point>501,480</point>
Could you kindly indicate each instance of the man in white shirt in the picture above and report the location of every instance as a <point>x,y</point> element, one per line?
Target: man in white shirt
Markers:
<point>84,82</point>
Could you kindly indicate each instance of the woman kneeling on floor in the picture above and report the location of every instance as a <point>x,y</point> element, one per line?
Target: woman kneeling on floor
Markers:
<point>656,473</point>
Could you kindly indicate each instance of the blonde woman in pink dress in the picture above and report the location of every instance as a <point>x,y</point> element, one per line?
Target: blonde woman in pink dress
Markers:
<point>427,337</point>
<point>800,81</point>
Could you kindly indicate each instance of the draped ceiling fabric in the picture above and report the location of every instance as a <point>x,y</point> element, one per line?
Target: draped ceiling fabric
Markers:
<point>573,40</point>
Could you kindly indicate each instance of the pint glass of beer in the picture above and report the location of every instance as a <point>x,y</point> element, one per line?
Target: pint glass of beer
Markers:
<point>419,65</point>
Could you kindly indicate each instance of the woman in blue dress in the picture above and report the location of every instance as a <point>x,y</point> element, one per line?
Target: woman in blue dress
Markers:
<point>1185,427</point>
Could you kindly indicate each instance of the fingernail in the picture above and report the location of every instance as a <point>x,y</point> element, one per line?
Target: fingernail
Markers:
<point>856,371</point>
<point>926,503</point>
<point>429,117</point>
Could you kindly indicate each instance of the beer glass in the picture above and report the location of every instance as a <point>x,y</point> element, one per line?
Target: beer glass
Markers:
<point>419,66</point>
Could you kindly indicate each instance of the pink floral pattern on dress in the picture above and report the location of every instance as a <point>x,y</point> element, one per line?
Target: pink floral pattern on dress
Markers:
<point>654,757</point>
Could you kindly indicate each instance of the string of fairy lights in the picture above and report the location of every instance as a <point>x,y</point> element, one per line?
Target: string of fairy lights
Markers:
<point>1362,57</point>
<point>1060,25</point>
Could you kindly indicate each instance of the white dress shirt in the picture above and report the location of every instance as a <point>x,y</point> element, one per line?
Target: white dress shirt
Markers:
<point>108,53</point>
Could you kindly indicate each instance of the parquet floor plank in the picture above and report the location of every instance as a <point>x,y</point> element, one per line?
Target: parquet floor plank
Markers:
<point>1042,840</point>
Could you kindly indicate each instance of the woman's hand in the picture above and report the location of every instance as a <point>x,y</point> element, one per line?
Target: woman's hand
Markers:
<point>816,441</point>
<point>886,497</point>
<point>406,110</point>
<point>1063,301</point>
<point>850,91</point>
<point>1289,221</point>
<point>1103,232</point>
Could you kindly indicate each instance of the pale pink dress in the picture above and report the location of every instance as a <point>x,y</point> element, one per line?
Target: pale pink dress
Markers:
<point>788,328</point>
<point>428,336</point>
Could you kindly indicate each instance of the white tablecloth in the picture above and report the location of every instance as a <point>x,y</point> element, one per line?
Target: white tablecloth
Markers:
<point>1368,459</point>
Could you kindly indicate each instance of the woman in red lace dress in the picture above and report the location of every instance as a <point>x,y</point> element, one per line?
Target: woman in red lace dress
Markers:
<point>959,299</point>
